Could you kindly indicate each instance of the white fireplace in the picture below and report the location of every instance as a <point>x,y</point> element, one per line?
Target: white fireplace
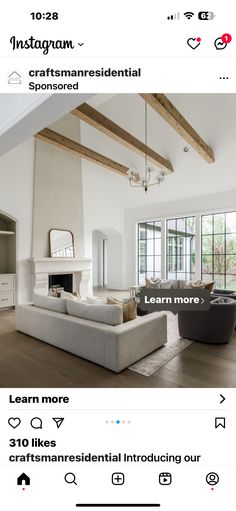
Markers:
<point>81,269</point>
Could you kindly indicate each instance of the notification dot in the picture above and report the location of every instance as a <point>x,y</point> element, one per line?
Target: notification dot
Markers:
<point>226,38</point>
<point>198,39</point>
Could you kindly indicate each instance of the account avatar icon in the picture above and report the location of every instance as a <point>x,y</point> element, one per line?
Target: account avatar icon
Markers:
<point>14,78</point>
<point>212,478</point>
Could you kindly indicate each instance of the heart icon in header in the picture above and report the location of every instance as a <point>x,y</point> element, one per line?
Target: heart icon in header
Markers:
<point>194,42</point>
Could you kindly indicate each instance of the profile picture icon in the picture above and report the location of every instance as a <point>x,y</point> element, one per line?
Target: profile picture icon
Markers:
<point>212,478</point>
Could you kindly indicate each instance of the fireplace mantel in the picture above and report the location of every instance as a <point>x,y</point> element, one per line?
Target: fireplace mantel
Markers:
<point>81,269</point>
<point>60,264</point>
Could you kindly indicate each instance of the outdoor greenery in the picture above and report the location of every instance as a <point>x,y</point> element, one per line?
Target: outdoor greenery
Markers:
<point>219,249</point>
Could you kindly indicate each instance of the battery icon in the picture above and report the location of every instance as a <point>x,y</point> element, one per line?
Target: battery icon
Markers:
<point>206,15</point>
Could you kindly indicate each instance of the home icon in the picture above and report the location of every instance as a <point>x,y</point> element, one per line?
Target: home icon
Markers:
<point>14,78</point>
<point>23,479</point>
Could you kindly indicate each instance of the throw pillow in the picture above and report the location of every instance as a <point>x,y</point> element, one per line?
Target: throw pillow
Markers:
<point>129,308</point>
<point>152,283</point>
<point>203,285</point>
<point>165,284</point>
<point>54,292</point>
<point>187,285</point>
<point>70,296</point>
<point>199,284</point>
<point>209,286</point>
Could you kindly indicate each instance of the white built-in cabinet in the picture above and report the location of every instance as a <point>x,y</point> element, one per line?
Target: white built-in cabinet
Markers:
<point>7,290</point>
<point>7,262</point>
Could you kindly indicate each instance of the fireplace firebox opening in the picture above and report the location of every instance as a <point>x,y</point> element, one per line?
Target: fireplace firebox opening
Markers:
<point>63,281</point>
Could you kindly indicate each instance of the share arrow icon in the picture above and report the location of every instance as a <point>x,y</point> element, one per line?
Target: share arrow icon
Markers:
<point>58,421</point>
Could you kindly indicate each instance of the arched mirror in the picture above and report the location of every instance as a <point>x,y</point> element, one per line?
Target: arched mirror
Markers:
<point>61,243</point>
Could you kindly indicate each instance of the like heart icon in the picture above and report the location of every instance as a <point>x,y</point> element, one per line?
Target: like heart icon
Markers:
<point>14,422</point>
<point>194,42</point>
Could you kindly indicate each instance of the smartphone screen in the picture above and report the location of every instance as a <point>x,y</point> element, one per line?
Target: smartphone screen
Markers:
<point>117,256</point>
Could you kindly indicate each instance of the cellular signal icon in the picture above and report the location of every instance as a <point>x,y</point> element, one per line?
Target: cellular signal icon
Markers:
<point>189,15</point>
<point>175,16</point>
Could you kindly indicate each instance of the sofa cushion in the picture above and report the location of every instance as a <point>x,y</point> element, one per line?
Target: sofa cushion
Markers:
<point>108,314</point>
<point>50,303</point>
<point>129,308</point>
<point>95,300</point>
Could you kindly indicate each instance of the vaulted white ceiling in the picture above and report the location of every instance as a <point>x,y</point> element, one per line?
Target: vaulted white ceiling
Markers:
<point>23,115</point>
<point>212,115</point>
<point>15,107</point>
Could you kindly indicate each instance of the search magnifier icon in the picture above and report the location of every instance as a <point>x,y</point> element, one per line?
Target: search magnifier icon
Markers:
<point>70,478</point>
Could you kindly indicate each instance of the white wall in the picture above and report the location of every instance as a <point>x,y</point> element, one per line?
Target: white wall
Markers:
<point>103,209</point>
<point>16,200</point>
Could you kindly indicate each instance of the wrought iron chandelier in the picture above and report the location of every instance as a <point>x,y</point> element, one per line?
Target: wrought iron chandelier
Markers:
<point>145,180</point>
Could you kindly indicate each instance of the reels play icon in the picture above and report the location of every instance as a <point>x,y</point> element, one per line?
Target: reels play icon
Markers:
<point>165,478</point>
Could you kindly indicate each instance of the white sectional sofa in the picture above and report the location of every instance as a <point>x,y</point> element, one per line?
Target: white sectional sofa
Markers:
<point>114,346</point>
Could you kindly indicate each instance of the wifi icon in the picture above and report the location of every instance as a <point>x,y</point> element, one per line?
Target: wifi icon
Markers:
<point>189,15</point>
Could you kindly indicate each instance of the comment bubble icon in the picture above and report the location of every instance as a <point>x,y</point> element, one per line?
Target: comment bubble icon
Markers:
<point>36,423</point>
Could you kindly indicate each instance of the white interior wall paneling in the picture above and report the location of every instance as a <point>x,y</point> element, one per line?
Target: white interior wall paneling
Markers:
<point>16,200</point>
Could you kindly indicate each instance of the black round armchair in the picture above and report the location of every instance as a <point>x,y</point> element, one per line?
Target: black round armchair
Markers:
<point>215,326</point>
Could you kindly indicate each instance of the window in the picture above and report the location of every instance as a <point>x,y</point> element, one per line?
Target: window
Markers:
<point>149,250</point>
<point>176,245</point>
<point>218,255</point>
<point>180,248</point>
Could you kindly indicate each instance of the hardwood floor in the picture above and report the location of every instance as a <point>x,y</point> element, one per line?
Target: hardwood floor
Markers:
<point>27,362</point>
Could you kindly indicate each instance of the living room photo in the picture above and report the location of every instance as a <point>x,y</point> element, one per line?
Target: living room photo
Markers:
<point>103,196</point>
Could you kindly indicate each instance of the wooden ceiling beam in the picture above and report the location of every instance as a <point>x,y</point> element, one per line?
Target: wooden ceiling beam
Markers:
<point>52,137</point>
<point>99,121</point>
<point>163,106</point>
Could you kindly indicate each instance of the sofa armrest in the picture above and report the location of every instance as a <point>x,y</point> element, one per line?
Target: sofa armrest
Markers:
<point>134,340</point>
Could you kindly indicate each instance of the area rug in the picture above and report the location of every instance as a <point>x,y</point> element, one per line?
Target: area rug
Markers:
<point>151,363</point>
